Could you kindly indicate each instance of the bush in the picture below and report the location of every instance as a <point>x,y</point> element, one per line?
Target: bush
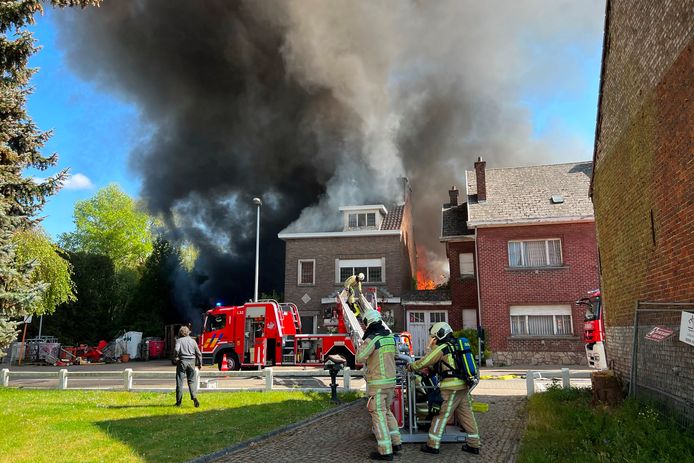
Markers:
<point>471,335</point>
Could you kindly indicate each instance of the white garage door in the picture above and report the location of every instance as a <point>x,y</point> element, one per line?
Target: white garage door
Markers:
<point>418,324</point>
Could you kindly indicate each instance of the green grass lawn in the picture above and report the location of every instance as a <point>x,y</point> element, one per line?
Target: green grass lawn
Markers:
<point>96,426</point>
<point>563,427</point>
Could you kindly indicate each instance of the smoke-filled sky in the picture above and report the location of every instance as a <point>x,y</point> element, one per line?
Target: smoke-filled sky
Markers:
<point>315,104</point>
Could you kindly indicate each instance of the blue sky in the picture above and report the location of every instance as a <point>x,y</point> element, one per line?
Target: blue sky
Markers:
<point>94,130</point>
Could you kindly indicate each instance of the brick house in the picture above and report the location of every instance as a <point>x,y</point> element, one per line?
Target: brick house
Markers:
<point>644,158</point>
<point>523,247</point>
<point>376,239</point>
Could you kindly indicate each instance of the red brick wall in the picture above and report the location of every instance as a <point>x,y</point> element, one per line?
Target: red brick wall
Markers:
<point>501,287</point>
<point>463,290</point>
<point>642,184</point>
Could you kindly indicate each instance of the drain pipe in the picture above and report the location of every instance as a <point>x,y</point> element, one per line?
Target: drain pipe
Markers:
<point>480,352</point>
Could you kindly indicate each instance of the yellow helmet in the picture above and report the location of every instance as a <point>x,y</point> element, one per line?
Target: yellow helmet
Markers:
<point>440,330</point>
<point>372,316</point>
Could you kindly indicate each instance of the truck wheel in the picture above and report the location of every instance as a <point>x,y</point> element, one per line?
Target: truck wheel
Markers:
<point>232,362</point>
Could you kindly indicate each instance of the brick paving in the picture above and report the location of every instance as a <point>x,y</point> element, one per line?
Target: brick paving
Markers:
<point>347,437</point>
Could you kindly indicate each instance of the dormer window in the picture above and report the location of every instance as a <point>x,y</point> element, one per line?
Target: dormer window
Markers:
<point>363,217</point>
<point>362,220</point>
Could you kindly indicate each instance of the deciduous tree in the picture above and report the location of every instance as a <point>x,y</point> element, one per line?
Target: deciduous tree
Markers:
<point>51,269</point>
<point>111,224</point>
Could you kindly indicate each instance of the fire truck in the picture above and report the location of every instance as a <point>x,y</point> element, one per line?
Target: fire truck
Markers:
<point>264,333</point>
<point>594,330</point>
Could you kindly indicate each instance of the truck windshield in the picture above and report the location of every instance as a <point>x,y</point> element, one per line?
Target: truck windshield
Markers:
<point>215,322</point>
<point>592,309</point>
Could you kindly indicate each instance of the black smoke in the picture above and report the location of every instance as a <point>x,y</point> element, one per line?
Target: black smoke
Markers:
<point>315,104</point>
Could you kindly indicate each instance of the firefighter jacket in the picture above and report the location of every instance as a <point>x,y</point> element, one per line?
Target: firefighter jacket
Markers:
<point>440,362</point>
<point>350,284</point>
<point>378,354</point>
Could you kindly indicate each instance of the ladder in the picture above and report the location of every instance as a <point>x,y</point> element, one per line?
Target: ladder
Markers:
<point>288,349</point>
<point>351,323</point>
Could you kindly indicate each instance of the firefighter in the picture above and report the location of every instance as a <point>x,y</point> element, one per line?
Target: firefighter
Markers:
<point>352,284</point>
<point>454,390</point>
<point>377,353</point>
<point>188,360</point>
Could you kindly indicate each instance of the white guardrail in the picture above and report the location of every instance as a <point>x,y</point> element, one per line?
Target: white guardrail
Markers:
<point>129,375</point>
<point>565,374</point>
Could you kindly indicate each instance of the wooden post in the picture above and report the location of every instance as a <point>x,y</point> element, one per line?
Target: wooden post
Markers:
<point>128,379</point>
<point>565,378</point>
<point>268,379</point>
<point>530,382</point>
<point>23,347</point>
<point>62,379</point>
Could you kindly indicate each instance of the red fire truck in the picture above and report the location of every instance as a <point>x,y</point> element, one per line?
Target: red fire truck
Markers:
<point>594,330</point>
<point>266,332</point>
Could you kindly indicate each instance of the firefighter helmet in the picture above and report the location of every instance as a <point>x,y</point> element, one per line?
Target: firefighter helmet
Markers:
<point>372,316</point>
<point>360,277</point>
<point>440,330</point>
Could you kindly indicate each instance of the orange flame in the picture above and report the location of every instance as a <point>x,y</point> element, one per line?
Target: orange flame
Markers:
<point>423,280</point>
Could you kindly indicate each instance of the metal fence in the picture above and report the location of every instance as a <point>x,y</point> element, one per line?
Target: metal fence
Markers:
<point>126,379</point>
<point>662,368</point>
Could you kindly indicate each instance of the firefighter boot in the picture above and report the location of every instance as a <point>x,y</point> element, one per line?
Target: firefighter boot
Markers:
<point>355,309</point>
<point>473,450</point>
<point>426,449</point>
<point>378,456</point>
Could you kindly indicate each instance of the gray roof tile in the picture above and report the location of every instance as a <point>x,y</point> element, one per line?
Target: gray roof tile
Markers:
<point>393,220</point>
<point>453,221</point>
<point>426,295</point>
<point>523,194</point>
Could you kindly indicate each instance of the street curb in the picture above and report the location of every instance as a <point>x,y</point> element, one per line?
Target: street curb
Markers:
<point>299,424</point>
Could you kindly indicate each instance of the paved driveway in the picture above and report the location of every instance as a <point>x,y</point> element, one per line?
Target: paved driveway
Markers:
<point>347,437</point>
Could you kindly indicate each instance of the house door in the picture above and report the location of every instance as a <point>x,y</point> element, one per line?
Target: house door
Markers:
<point>419,323</point>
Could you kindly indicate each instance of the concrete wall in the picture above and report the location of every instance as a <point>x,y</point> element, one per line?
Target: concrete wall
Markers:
<point>643,183</point>
<point>502,287</point>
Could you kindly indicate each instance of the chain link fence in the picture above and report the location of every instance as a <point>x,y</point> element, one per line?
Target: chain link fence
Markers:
<point>662,369</point>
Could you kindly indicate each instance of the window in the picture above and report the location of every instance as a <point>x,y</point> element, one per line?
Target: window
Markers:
<point>548,320</point>
<point>215,322</point>
<point>307,274</point>
<point>373,269</point>
<point>467,264</point>
<point>535,253</point>
<point>361,220</point>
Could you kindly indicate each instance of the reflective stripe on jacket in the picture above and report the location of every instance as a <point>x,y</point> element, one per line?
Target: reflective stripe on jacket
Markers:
<point>378,354</point>
<point>435,359</point>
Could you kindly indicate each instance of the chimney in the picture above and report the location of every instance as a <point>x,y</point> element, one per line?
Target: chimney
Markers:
<point>453,194</point>
<point>481,182</point>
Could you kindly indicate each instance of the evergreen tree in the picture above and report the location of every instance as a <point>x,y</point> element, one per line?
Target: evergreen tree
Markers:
<point>21,197</point>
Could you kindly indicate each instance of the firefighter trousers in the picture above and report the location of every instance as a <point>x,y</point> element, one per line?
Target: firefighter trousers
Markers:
<point>458,403</point>
<point>385,426</point>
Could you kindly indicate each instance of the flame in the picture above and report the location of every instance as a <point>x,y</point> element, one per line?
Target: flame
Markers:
<point>428,268</point>
<point>423,280</point>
